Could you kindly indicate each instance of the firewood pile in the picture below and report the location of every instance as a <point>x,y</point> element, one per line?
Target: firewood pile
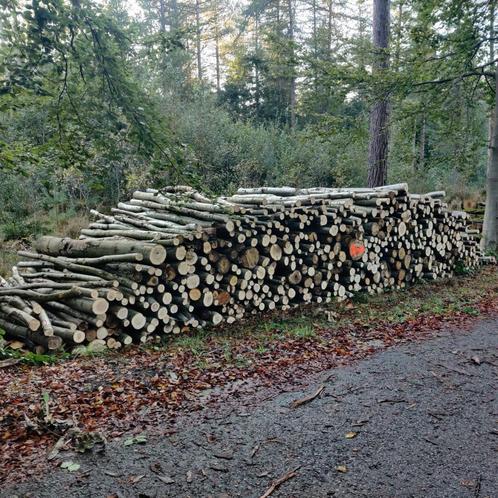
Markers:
<point>173,260</point>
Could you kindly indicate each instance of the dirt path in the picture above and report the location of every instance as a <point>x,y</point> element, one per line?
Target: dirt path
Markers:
<point>421,418</point>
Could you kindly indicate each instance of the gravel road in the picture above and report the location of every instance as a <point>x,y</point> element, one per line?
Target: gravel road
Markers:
<point>417,420</point>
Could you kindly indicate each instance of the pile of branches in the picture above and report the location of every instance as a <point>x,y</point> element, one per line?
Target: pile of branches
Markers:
<point>169,261</point>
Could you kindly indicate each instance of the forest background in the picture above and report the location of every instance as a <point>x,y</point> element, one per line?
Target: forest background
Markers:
<point>99,98</point>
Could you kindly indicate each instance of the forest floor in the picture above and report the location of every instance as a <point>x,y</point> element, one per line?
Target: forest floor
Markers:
<point>404,383</point>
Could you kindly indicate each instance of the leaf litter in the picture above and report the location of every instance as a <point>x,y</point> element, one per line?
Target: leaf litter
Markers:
<point>89,400</point>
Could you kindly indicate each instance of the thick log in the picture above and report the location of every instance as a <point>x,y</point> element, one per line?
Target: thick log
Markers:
<point>54,246</point>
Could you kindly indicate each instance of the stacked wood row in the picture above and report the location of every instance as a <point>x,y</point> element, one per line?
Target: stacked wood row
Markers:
<point>169,261</point>
<point>476,214</point>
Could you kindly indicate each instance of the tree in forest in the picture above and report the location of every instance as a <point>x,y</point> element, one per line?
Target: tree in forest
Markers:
<point>270,61</point>
<point>259,91</point>
<point>379,114</point>
<point>462,59</point>
<point>74,105</point>
<point>490,226</point>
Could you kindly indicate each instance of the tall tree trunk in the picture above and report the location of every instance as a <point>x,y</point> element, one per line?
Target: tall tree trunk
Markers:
<point>490,230</point>
<point>162,30</point>
<point>217,47</point>
<point>292,96</point>
<point>423,143</point>
<point>257,89</point>
<point>162,16</point>
<point>315,39</point>
<point>174,16</point>
<point>198,38</point>
<point>420,142</point>
<point>379,114</point>
<point>329,29</point>
<point>399,36</point>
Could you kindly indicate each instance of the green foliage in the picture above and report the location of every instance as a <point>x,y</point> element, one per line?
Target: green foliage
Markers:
<point>195,344</point>
<point>21,229</point>
<point>30,358</point>
<point>302,332</point>
<point>139,439</point>
<point>461,269</point>
<point>96,102</point>
<point>470,310</point>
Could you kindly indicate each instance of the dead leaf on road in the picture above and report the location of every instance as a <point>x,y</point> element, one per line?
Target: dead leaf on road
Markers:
<point>70,466</point>
<point>476,360</point>
<point>111,474</point>
<point>166,479</point>
<point>351,435</point>
<point>341,468</point>
<point>135,479</point>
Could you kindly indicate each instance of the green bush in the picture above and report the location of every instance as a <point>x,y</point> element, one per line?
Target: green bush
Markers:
<point>21,229</point>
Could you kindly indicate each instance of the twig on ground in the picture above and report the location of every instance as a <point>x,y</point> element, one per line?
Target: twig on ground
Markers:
<point>9,362</point>
<point>307,399</point>
<point>457,370</point>
<point>258,446</point>
<point>477,490</point>
<point>275,484</point>
<point>349,391</point>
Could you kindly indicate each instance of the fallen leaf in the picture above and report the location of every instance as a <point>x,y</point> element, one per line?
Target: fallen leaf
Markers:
<point>351,435</point>
<point>341,468</point>
<point>476,360</point>
<point>70,466</point>
<point>166,479</point>
<point>135,479</point>
<point>16,345</point>
<point>140,439</point>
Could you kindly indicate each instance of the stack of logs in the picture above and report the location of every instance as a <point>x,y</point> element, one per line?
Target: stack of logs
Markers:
<point>172,260</point>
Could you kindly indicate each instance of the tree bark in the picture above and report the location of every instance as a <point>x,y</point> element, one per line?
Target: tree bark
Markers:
<point>489,240</point>
<point>217,46</point>
<point>256,66</point>
<point>198,38</point>
<point>379,114</point>
<point>292,97</point>
<point>329,29</point>
<point>174,16</point>
<point>162,16</point>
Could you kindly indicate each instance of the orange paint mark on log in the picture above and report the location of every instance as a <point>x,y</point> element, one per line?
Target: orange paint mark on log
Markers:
<point>356,249</point>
